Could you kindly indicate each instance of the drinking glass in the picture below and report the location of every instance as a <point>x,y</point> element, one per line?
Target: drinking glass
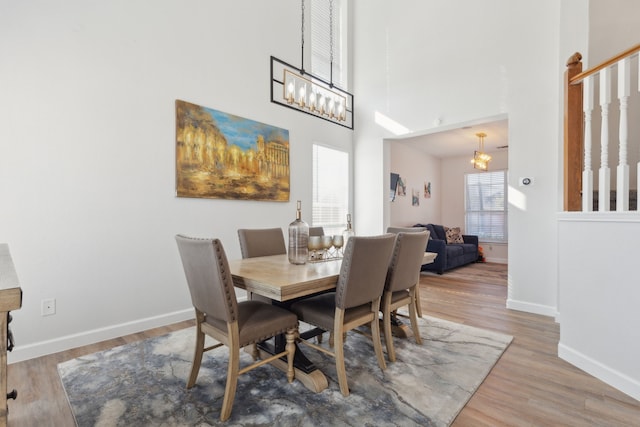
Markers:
<point>327,241</point>
<point>338,242</point>
<point>315,244</point>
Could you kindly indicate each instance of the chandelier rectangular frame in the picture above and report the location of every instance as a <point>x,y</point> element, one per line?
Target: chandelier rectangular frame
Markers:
<point>309,94</point>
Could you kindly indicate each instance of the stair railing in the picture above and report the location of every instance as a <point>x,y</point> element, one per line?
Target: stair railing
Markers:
<point>578,138</point>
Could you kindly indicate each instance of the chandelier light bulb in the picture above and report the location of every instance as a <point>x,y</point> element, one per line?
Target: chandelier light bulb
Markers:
<point>291,87</point>
<point>312,101</point>
<point>341,113</point>
<point>302,97</point>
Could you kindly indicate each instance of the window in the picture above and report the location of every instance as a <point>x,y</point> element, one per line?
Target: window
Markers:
<point>486,205</point>
<point>321,41</point>
<point>330,189</point>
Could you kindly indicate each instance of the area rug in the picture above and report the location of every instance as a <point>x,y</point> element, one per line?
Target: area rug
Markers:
<point>143,383</point>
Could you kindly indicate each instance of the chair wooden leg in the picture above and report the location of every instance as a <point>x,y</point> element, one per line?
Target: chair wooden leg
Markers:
<point>291,351</point>
<point>232,382</point>
<point>254,351</point>
<point>417,299</point>
<point>386,320</point>
<point>197,354</point>
<point>375,335</point>
<point>413,310</point>
<point>339,352</point>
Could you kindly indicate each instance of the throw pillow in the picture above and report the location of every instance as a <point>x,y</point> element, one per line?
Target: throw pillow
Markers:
<point>454,235</point>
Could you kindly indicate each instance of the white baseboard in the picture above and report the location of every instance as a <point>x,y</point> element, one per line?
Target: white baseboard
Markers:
<point>528,307</point>
<point>604,373</point>
<point>43,348</point>
<point>497,260</point>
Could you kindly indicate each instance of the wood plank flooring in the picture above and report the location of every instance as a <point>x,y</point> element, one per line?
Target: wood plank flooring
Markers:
<point>529,386</point>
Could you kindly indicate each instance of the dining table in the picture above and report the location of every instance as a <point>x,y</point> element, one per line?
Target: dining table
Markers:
<point>276,278</point>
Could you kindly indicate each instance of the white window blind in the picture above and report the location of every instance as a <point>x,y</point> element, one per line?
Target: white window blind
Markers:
<point>330,189</point>
<point>486,205</point>
<point>321,41</point>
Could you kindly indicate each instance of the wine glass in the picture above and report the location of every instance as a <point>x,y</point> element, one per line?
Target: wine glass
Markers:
<point>338,241</point>
<point>315,243</point>
<point>327,241</point>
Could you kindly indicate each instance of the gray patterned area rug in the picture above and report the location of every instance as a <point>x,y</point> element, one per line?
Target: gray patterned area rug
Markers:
<point>143,383</point>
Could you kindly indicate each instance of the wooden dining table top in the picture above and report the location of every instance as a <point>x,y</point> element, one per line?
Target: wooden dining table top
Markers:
<point>276,278</point>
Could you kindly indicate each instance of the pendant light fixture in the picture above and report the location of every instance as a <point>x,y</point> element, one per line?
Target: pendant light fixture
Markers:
<point>302,91</point>
<point>480,158</point>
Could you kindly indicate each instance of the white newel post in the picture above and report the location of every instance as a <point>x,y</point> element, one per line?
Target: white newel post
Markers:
<point>587,173</point>
<point>622,181</point>
<point>604,181</point>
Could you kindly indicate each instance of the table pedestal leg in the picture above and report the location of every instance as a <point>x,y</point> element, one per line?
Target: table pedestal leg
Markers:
<point>400,329</point>
<point>314,380</point>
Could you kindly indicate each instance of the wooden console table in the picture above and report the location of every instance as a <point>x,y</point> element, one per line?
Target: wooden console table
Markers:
<point>10,299</point>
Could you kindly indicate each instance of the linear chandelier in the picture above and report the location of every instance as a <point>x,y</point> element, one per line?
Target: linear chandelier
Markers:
<point>302,91</point>
<point>480,158</point>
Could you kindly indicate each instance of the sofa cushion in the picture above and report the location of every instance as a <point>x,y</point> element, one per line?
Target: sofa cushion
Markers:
<point>439,232</point>
<point>454,251</point>
<point>453,235</point>
<point>468,248</point>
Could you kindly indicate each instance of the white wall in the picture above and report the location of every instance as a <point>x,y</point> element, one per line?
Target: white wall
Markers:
<point>415,168</point>
<point>418,61</point>
<point>599,296</point>
<point>87,142</point>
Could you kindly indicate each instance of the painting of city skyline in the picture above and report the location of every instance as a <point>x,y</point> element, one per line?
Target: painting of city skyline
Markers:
<point>222,156</point>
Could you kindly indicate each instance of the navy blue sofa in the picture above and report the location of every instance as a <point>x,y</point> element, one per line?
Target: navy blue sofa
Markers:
<point>449,255</point>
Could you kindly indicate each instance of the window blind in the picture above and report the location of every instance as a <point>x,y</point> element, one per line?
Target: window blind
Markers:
<point>486,205</point>
<point>321,41</point>
<point>330,203</point>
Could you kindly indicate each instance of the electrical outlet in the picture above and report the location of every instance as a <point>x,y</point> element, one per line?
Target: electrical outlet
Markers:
<point>48,307</point>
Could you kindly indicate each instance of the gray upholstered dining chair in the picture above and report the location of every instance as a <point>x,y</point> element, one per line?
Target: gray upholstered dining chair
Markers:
<point>219,315</point>
<point>355,302</point>
<point>397,230</point>
<point>255,242</point>
<point>402,280</point>
<point>316,231</point>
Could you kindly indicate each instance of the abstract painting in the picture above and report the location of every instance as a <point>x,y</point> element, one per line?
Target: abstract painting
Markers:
<point>427,189</point>
<point>415,197</point>
<point>402,187</point>
<point>222,156</point>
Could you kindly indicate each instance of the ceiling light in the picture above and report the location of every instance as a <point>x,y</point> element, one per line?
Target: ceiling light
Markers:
<point>302,91</point>
<point>480,158</point>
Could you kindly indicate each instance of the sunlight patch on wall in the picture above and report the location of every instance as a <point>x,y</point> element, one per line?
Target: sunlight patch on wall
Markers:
<point>390,124</point>
<point>517,199</point>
